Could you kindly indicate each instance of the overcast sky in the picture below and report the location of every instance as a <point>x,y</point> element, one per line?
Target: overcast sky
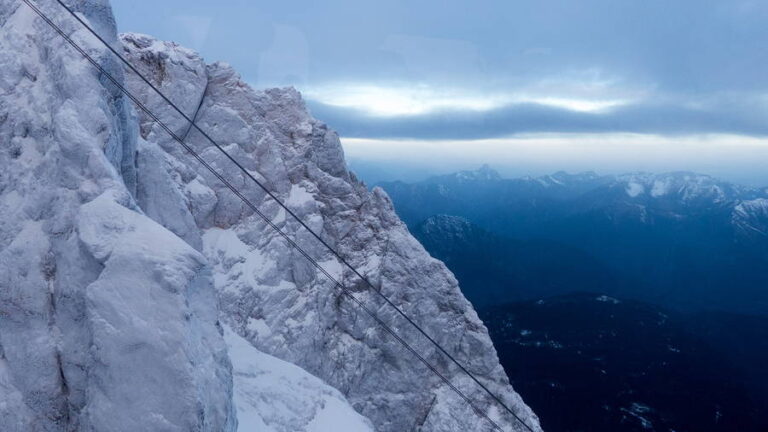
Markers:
<point>527,86</point>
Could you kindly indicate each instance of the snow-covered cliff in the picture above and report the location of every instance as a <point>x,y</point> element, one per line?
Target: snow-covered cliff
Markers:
<point>272,296</point>
<point>108,321</point>
<point>121,256</point>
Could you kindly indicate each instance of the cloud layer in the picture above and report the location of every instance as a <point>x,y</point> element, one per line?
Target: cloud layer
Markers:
<point>682,46</point>
<point>722,115</point>
<point>443,74</point>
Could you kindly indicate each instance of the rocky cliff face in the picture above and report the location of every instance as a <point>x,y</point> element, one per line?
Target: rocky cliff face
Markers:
<point>120,255</point>
<point>273,297</point>
<point>108,321</point>
<point>269,293</point>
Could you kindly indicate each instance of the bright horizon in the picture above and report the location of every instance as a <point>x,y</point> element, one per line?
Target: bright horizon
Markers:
<point>543,154</point>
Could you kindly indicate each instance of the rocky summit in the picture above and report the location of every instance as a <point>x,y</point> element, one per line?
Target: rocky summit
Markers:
<point>140,293</point>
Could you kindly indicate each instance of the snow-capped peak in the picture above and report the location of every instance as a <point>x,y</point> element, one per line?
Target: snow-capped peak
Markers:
<point>484,173</point>
<point>684,186</point>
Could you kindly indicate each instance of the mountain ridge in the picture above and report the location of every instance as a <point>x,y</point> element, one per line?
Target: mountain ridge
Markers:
<point>659,232</point>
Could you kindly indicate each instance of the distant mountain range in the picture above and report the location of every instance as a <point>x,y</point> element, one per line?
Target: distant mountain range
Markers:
<point>601,293</point>
<point>683,240</point>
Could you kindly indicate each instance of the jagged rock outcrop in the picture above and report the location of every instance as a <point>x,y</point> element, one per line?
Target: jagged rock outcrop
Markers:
<point>269,293</point>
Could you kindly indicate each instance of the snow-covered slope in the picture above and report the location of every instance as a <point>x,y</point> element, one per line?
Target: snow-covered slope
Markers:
<point>750,217</point>
<point>273,297</point>
<point>684,187</point>
<point>272,395</point>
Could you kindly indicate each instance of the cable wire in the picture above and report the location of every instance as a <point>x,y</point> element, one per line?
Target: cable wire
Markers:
<point>297,218</point>
<point>253,207</point>
<point>197,110</point>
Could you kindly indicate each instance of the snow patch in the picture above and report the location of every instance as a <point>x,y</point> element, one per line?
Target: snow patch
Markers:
<point>635,189</point>
<point>298,197</point>
<point>660,188</point>
<point>272,395</point>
